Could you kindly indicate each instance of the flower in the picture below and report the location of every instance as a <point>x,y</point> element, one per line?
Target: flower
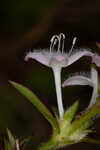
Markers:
<point>59,59</point>
<point>55,60</point>
<point>82,80</point>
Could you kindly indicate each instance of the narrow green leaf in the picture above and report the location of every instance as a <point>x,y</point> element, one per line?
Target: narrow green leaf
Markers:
<point>25,142</point>
<point>90,140</point>
<point>98,44</point>
<point>70,113</point>
<point>11,139</point>
<point>56,113</point>
<point>50,145</point>
<point>7,145</point>
<point>37,103</point>
<point>86,116</point>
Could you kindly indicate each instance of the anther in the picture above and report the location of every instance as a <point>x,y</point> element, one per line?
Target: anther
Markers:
<point>73,44</point>
<point>58,39</point>
<point>74,41</point>
<point>53,41</point>
<point>62,37</point>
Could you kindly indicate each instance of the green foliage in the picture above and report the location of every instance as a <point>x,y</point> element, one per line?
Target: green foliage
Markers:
<point>11,139</point>
<point>37,103</point>
<point>70,129</point>
<point>85,118</point>
<point>98,44</point>
<point>7,145</point>
<point>11,143</point>
<point>75,131</point>
<point>70,113</point>
<point>25,142</point>
<point>90,140</point>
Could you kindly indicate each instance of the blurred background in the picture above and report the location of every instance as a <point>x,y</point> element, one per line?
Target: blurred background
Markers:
<point>29,25</point>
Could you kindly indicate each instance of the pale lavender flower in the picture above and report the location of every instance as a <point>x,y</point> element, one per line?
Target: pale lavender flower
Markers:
<point>59,59</point>
<point>55,60</point>
<point>82,80</point>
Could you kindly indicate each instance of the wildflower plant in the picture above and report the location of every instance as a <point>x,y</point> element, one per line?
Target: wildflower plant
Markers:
<point>68,128</point>
<point>12,143</point>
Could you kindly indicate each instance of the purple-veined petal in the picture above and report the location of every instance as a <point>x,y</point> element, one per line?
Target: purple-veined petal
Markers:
<point>77,55</point>
<point>77,80</point>
<point>38,56</point>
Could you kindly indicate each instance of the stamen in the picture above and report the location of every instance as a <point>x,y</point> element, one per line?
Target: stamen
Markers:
<point>62,37</point>
<point>73,44</point>
<point>53,41</point>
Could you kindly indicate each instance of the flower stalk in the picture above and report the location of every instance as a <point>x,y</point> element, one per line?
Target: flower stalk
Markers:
<point>57,77</point>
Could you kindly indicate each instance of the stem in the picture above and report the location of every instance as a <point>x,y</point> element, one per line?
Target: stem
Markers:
<point>94,79</point>
<point>57,77</point>
<point>47,146</point>
<point>17,145</point>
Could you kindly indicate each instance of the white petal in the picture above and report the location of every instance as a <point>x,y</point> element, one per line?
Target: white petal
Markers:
<point>77,55</point>
<point>94,79</point>
<point>38,56</point>
<point>93,98</point>
<point>77,80</point>
<point>96,59</point>
<point>94,76</point>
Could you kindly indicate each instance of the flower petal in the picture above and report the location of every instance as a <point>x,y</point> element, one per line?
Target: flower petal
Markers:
<point>38,56</point>
<point>77,80</point>
<point>96,59</point>
<point>94,76</point>
<point>74,57</point>
<point>94,79</point>
<point>59,58</point>
<point>81,80</point>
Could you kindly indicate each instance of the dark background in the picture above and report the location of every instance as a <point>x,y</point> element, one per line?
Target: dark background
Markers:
<point>27,25</point>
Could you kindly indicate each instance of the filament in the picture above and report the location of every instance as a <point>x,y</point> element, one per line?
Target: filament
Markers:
<point>73,44</point>
<point>62,37</point>
<point>53,41</point>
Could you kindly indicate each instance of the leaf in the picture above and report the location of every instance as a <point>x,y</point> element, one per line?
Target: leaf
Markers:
<point>83,121</point>
<point>37,103</point>
<point>7,145</point>
<point>11,139</point>
<point>91,140</point>
<point>98,44</point>
<point>70,113</point>
<point>50,145</point>
<point>56,113</point>
<point>25,142</point>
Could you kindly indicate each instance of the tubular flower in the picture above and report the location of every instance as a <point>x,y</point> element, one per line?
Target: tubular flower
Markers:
<point>82,80</point>
<point>59,59</point>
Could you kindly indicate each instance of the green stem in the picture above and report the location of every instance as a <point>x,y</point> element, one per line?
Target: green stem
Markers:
<point>47,146</point>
